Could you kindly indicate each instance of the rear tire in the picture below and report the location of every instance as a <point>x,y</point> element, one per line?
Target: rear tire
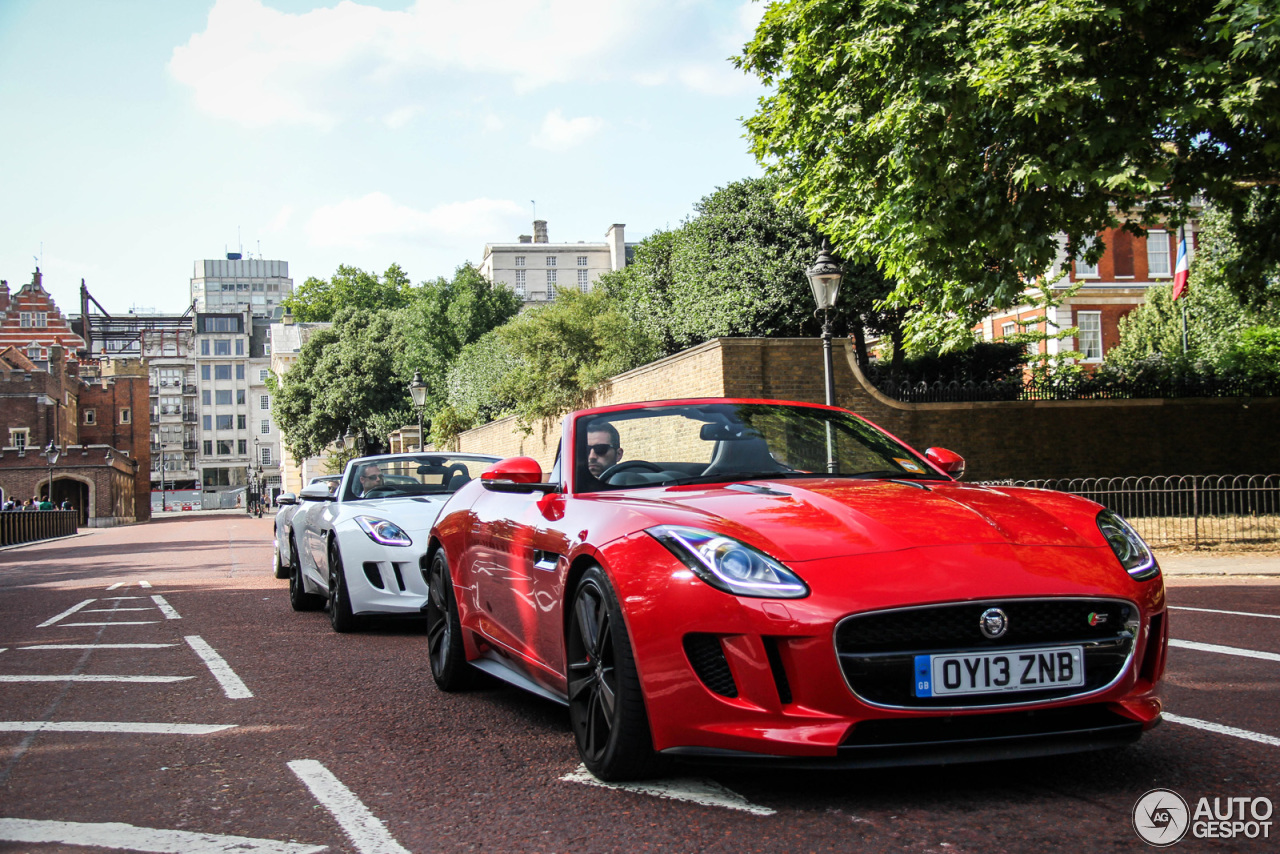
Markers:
<point>282,568</point>
<point>340,615</point>
<point>299,598</point>
<point>606,705</point>
<point>449,667</point>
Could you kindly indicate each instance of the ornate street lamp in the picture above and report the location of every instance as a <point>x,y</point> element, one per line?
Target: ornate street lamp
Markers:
<point>349,439</point>
<point>824,279</point>
<point>51,453</point>
<point>418,390</point>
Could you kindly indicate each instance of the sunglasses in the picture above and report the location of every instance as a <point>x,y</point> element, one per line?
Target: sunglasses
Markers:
<point>600,450</point>
<point>371,477</point>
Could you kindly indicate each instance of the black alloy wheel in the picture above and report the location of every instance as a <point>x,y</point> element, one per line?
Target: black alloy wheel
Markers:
<point>449,667</point>
<point>299,598</point>
<point>606,706</point>
<point>340,615</point>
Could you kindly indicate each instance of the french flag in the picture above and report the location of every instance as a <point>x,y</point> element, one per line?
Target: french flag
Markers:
<point>1181,272</point>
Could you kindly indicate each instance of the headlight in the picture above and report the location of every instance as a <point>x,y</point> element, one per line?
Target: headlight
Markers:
<point>384,532</point>
<point>1133,553</point>
<point>729,565</point>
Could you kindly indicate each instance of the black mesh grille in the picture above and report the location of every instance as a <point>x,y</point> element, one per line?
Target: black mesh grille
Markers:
<point>707,657</point>
<point>877,651</point>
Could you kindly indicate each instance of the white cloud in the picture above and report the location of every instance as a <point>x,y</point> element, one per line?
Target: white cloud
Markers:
<point>398,118</point>
<point>377,218</point>
<point>280,221</point>
<point>560,134</point>
<point>258,66</point>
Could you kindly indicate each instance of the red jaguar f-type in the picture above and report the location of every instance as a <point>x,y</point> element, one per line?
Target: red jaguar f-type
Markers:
<point>785,582</point>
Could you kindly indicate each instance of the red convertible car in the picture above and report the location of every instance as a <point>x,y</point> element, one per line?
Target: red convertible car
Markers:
<point>785,582</point>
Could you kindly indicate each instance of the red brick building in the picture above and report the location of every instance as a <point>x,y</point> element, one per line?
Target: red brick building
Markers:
<point>102,456</point>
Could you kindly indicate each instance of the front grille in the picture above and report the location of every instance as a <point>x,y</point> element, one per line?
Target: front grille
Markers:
<point>877,651</point>
<point>707,657</point>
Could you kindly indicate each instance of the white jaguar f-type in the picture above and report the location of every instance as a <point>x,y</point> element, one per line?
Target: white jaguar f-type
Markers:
<point>360,548</point>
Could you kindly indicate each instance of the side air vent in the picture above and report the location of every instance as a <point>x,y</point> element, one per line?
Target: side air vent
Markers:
<point>707,657</point>
<point>371,572</point>
<point>779,671</point>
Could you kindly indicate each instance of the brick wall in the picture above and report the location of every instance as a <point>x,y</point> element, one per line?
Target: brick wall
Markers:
<point>109,399</point>
<point>1019,439</point>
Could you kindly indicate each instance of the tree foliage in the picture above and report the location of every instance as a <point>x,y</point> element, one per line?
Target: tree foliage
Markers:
<point>952,142</point>
<point>320,300</point>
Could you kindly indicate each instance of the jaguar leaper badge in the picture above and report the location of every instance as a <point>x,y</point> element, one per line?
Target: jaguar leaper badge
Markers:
<point>993,623</point>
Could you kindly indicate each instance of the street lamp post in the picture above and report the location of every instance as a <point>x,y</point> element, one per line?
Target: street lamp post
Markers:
<point>824,279</point>
<point>51,454</point>
<point>418,389</point>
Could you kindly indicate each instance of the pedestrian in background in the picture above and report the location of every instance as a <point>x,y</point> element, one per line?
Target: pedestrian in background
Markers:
<point>9,504</point>
<point>66,504</point>
<point>45,504</point>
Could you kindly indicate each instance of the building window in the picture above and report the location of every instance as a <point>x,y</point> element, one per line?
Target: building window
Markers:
<point>1090,339</point>
<point>204,347</point>
<point>224,422</point>
<point>24,319</point>
<point>204,372</point>
<point>240,422</point>
<point>222,348</point>
<point>264,402</point>
<point>551,260</point>
<point>1008,330</point>
<point>18,438</point>
<point>224,447</point>
<point>240,393</point>
<point>223,397</point>
<point>266,456</point>
<point>239,372</point>
<point>1158,254</point>
<point>222,372</point>
<point>90,416</point>
<point>42,319</point>
<point>1085,270</point>
<point>266,426</point>
<point>206,397</point>
<point>126,416</point>
<point>582,260</point>
<point>239,346</point>
<point>262,375</point>
<point>519,260</point>
<point>520,283</point>
<point>242,447</point>
<point>208,447</point>
<point>207,422</point>
<point>33,352</point>
<point>583,283</point>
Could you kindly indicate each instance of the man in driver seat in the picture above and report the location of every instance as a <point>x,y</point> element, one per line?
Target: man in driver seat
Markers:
<point>370,478</point>
<point>603,447</point>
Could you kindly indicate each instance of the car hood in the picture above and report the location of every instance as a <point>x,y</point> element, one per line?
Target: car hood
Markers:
<point>833,517</point>
<point>415,514</point>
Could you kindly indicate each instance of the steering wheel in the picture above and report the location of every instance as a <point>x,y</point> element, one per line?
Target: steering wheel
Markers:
<point>629,464</point>
<point>378,492</point>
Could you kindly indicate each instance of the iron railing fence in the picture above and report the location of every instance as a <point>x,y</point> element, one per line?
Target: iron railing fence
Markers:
<point>1084,387</point>
<point>1184,510</point>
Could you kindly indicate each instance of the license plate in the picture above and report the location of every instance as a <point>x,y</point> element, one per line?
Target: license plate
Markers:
<point>999,672</point>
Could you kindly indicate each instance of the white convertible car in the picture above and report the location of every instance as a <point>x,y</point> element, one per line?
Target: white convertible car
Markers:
<point>289,505</point>
<point>361,548</point>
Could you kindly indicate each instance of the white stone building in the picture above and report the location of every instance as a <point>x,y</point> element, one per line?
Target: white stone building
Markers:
<point>236,284</point>
<point>536,269</point>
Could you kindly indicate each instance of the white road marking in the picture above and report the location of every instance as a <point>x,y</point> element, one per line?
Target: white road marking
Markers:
<point>1223,729</point>
<point>112,610</point>
<point>84,678</point>
<point>116,586</point>
<point>1232,613</point>
<point>165,608</point>
<point>366,831</point>
<point>113,726</point>
<point>704,792</point>
<point>144,583</point>
<point>118,623</point>
<point>66,613</point>
<point>1224,650</point>
<point>232,685</point>
<point>121,598</point>
<point>98,646</point>
<point>129,837</point>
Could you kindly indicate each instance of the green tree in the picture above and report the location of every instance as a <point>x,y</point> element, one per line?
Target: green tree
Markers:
<point>320,300</point>
<point>950,143</point>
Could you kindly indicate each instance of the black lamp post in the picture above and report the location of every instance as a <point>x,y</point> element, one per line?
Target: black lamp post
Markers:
<point>418,389</point>
<point>824,279</point>
<point>51,453</point>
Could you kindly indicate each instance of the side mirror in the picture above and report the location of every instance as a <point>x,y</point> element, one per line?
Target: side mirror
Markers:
<point>286,498</point>
<point>316,492</point>
<point>949,461</point>
<point>516,474</point>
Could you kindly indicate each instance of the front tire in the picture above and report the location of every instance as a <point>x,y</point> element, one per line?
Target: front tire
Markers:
<point>282,569</point>
<point>606,706</point>
<point>299,598</point>
<point>448,657</point>
<point>340,615</point>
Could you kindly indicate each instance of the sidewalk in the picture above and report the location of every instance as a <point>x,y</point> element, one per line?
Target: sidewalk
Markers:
<point>1211,563</point>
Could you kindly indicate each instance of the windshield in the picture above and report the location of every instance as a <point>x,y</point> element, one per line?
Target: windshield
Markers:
<point>712,443</point>
<point>420,474</point>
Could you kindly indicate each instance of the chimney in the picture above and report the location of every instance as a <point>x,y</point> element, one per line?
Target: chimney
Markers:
<point>524,238</point>
<point>540,231</point>
<point>4,294</point>
<point>287,318</point>
<point>617,246</point>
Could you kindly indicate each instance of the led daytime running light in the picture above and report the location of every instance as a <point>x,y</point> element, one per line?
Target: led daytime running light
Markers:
<point>383,532</point>
<point>1134,554</point>
<point>730,565</point>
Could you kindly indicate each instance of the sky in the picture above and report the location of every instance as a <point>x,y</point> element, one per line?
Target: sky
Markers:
<point>139,136</point>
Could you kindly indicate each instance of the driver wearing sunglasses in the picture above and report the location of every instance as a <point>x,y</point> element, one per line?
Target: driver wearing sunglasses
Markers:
<point>603,448</point>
